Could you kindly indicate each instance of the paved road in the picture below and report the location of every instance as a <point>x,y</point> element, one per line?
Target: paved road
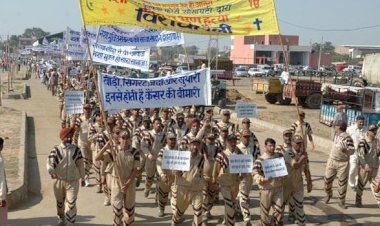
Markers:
<point>39,209</point>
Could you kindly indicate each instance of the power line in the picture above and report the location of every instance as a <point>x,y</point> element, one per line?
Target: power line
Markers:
<point>329,30</point>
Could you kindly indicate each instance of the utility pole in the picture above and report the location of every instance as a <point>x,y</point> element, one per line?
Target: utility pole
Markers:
<point>320,54</point>
<point>212,43</point>
<point>8,65</point>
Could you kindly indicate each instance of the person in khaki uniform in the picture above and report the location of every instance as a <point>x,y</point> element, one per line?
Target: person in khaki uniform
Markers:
<point>81,139</point>
<point>166,176</point>
<point>338,163</point>
<point>295,160</point>
<point>225,122</point>
<point>245,186</point>
<point>209,192</point>
<point>65,165</point>
<point>123,191</point>
<point>368,157</point>
<point>271,189</point>
<point>188,186</point>
<point>375,187</point>
<point>229,183</point>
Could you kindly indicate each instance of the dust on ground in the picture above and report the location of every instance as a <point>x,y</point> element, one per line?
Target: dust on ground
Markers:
<point>10,126</point>
<point>283,115</point>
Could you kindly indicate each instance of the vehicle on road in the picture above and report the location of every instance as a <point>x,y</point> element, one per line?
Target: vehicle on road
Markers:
<point>241,72</point>
<point>112,69</point>
<point>256,72</point>
<point>182,69</point>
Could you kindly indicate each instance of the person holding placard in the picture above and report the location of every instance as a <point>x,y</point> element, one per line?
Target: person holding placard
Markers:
<point>295,160</point>
<point>188,185</point>
<point>247,148</point>
<point>271,189</point>
<point>229,183</point>
<point>166,179</point>
<point>338,163</point>
<point>81,139</point>
<point>225,122</point>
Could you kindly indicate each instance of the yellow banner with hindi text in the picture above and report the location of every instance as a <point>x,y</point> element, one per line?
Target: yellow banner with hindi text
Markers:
<point>207,17</point>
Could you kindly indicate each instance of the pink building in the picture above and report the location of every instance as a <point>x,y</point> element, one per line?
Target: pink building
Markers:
<point>266,49</point>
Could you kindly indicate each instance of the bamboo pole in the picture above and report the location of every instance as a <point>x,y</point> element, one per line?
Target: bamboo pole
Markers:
<point>113,152</point>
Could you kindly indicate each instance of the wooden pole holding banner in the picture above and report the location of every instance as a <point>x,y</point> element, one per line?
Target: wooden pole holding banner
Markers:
<point>113,152</point>
<point>187,56</point>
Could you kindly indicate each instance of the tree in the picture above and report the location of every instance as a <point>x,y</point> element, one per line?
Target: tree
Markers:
<point>34,32</point>
<point>170,52</point>
<point>327,47</point>
<point>192,50</point>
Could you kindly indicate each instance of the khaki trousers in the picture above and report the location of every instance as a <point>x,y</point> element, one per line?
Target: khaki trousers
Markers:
<point>229,195</point>
<point>85,148</point>
<point>108,185</point>
<point>376,195</point>
<point>97,166</point>
<point>151,169</point>
<point>120,201</point>
<point>363,179</point>
<point>163,192</point>
<point>142,165</point>
<point>271,199</point>
<point>295,199</point>
<point>244,189</point>
<point>340,170</point>
<point>209,197</point>
<point>66,193</point>
<point>184,196</point>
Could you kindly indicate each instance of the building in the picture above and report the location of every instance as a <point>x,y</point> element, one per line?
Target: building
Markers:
<point>267,49</point>
<point>22,42</point>
<point>357,51</point>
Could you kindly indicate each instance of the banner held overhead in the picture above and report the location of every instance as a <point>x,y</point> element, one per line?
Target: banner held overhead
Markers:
<point>229,17</point>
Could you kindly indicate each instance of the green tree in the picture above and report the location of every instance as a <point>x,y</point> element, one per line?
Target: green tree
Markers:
<point>327,47</point>
<point>192,50</point>
<point>34,32</point>
<point>170,52</point>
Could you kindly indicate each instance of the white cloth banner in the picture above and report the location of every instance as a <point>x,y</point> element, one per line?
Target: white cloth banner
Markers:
<point>123,56</point>
<point>74,101</point>
<point>245,110</point>
<point>176,160</point>
<point>178,90</point>
<point>274,167</point>
<point>136,36</point>
<point>72,36</point>
<point>240,163</point>
<point>76,52</point>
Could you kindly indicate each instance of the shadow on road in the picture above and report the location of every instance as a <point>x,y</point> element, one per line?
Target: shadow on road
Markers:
<point>49,221</point>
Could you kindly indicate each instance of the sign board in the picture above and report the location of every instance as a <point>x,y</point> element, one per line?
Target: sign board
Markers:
<point>274,167</point>
<point>176,160</point>
<point>245,110</point>
<point>240,163</point>
<point>74,101</point>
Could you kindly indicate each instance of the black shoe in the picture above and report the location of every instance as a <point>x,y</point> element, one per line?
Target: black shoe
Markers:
<point>291,219</point>
<point>358,202</point>
<point>327,199</point>
<point>138,183</point>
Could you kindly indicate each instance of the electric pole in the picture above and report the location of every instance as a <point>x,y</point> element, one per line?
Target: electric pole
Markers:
<point>320,54</point>
<point>212,43</point>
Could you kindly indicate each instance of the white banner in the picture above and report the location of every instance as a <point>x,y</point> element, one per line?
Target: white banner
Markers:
<point>274,167</point>
<point>245,110</point>
<point>240,163</point>
<point>74,101</point>
<point>123,56</point>
<point>73,37</point>
<point>139,37</point>
<point>190,88</point>
<point>176,160</point>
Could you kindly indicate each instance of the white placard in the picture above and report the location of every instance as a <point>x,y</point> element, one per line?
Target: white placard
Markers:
<point>245,110</point>
<point>189,88</point>
<point>176,160</point>
<point>240,163</point>
<point>74,101</point>
<point>274,167</point>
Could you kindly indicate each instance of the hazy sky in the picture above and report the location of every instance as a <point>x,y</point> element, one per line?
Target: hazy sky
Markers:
<point>54,15</point>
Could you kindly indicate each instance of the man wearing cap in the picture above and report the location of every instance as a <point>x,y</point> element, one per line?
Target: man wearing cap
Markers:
<point>357,132</point>
<point>133,122</point>
<point>245,186</point>
<point>246,125</point>
<point>179,128</point>
<point>295,160</point>
<point>303,128</point>
<point>368,158</point>
<point>196,131</point>
<point>229,183</point>
<point>65,165</point>
<point>271,189</point>
<point>210,192</point>
<point>167,121</point>
<point>188,185</point>
<point>221,142</point>
<point>152,142</point>
<point>338,163</point>
<point>225,122</point>
<point>166,179</point>
<point>81,139</point>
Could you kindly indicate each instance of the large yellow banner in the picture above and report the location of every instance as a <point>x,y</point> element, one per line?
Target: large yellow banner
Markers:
<point>207,17</point>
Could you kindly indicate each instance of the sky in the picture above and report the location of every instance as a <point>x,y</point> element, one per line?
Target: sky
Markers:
<point>54,15</point>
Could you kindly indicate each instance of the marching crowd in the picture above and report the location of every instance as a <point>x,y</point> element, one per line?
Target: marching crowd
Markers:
<point>122,147</point>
